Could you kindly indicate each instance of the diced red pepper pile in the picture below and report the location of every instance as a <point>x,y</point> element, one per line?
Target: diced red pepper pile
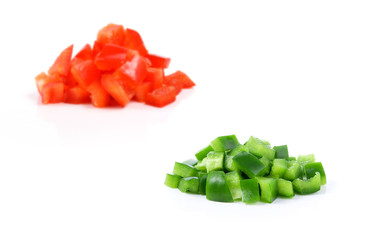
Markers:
<point>117,68</point>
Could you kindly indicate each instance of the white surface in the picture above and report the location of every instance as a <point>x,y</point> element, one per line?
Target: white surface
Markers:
<point>286,71</point>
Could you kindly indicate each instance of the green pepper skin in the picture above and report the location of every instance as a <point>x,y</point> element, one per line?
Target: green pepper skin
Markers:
<point>260,148</point>
<point>310,170</point>
<point>268,165</point>
<point>281,151</point>
<point>224,143</point>
<point>279,167</point>
<point>250,191</point>
<point>189,185</point>
<point>203,152</point>
<point>233,180</point>
<point>249,164</point>
<point>229,164</point>
<point>184,170</point>
<point>308,186</point>
<point>202,182</point>
<point>191,162</point>
<point>217,187</point>
<point>269,189</point>
<point>172,181</point>
<point>285,188</point>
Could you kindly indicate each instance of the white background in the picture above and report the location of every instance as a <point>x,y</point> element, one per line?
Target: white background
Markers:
<point>290,72</point>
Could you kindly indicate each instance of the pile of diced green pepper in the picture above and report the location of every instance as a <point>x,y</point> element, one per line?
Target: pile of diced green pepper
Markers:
<point>227,171</point>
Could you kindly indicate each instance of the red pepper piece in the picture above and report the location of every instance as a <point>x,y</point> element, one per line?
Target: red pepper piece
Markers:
<point>62,64</point>
<point>110,57</point>
<point>142,91</point>
<point>155,76</point>
<point>116,89</point>
<point>161,96</point>
<point>132,72</point>
<point>179,78</point>
<point>134,41</point>
<point>77,95</point>
<point>99,96</point>
<point>112,33</point>
<point>85,73</point>
<point>158,61</point>
<point>53,92</point>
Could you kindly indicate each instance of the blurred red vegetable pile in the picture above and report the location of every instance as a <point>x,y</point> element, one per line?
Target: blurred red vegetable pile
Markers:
<point>118,68</point>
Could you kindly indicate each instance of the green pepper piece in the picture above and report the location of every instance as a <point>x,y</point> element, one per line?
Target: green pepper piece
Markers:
<point>172,181</point>
<point>249,164</point>
<point>310,170</point>
<point>281,152</point>
<point>233,180</point>
<point>268,165</point>
<point>191,162</point>
<point>279,168</point>
<point>202,182</point>
<point>229,164</point>
<point>189,185</point>
<point>250,190</point>
<point>260,148</point>
<point>224,143</point>
<point>294,171</point>
<point>285,188</point>
<point>217,187</point>
<point>309,185</point>
<point>184,170</point>
<point>269,189</point>
<point>305,159</point>
<point>203,152</point>
<point>292,158</point>
<point>213,162</point>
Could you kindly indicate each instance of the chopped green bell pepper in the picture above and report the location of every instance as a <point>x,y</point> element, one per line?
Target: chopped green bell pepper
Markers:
<point>294,171</point>
<point>172,181</point>
<point>279,167</point>
<point>203,152</point>
<point>281,152</point>
<point>217,187</point>
<point>233,180</point>
<point>269,189</point>
<point>305,159</point>
<point>249,164</point>
<point>250,190</point>
<point>229,164</point>
<point>292,158</point>
<point>285,188</point>
<point>213,162</point>
<point>191,162</point>
<point>184,170</point>
<point>307,186</point>
<point>310,170</point>
<point>202,182</point>
<point>224,143</point>
<point>268,165</point>
<point>189,184</point>
<point>260,148</point>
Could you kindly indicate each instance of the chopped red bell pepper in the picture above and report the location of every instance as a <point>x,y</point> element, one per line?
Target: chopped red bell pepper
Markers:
<point>85,73</point>
<point>134,41</point>
<point>112,33</point>
<point>117,66</point>
<point>155,76</point>
<point>161,97</point>
<point>158,61</point>
<point>110,57</point>
<point>62,64</point>
<point>77,95</point>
